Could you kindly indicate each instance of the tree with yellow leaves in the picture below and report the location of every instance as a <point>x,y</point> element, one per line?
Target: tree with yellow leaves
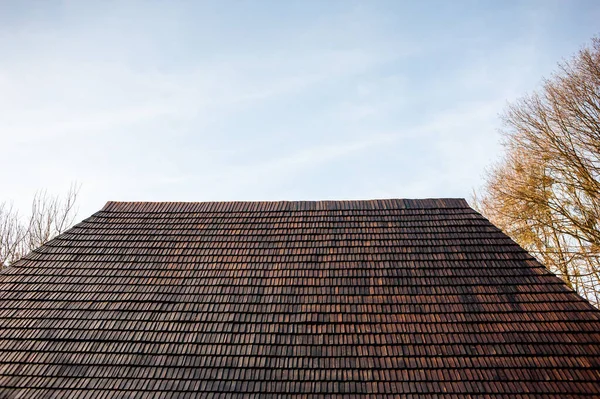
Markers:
<point>545,193</point>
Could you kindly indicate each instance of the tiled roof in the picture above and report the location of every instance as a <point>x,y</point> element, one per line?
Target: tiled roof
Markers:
<point>415,298</point>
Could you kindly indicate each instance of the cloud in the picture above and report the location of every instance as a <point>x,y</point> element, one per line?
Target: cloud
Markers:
<point>209,102</point>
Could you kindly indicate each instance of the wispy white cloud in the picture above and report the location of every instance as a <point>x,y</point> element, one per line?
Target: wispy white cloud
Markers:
<point>200,102</point>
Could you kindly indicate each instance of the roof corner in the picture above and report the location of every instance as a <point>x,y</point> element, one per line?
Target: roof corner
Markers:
<point>109,206</point>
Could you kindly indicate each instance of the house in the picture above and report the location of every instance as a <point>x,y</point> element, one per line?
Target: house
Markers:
<point>378,299</point>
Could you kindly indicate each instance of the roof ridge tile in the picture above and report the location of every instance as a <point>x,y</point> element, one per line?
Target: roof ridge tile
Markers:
<point>278,206</point>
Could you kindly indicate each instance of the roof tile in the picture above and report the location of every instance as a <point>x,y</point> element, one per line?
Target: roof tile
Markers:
<point>419,298</point>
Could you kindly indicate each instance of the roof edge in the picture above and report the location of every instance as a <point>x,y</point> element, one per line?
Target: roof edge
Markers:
<point>277,206</point>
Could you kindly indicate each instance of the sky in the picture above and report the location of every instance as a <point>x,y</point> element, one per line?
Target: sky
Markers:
<point>267,100</point>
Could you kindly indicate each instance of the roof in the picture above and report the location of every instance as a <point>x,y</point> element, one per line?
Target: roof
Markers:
<point>416,298</point>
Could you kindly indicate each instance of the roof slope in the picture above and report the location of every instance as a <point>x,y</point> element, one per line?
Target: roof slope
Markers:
<point>421,298</point>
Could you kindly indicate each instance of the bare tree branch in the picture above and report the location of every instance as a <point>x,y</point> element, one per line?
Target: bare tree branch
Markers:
<point>50,216</point>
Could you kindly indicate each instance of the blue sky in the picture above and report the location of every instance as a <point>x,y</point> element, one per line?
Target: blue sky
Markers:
<point>267,100</point>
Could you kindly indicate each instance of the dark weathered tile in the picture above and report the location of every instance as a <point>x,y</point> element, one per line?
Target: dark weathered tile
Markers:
<point>383,298</point>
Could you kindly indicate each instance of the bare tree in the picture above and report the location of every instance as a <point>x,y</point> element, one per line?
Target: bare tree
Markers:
<point>545,193</point>
<point>11,235</point>
<point>50,216</point>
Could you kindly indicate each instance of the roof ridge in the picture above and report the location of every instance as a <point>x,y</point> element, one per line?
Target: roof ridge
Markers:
<point>275,206</point>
